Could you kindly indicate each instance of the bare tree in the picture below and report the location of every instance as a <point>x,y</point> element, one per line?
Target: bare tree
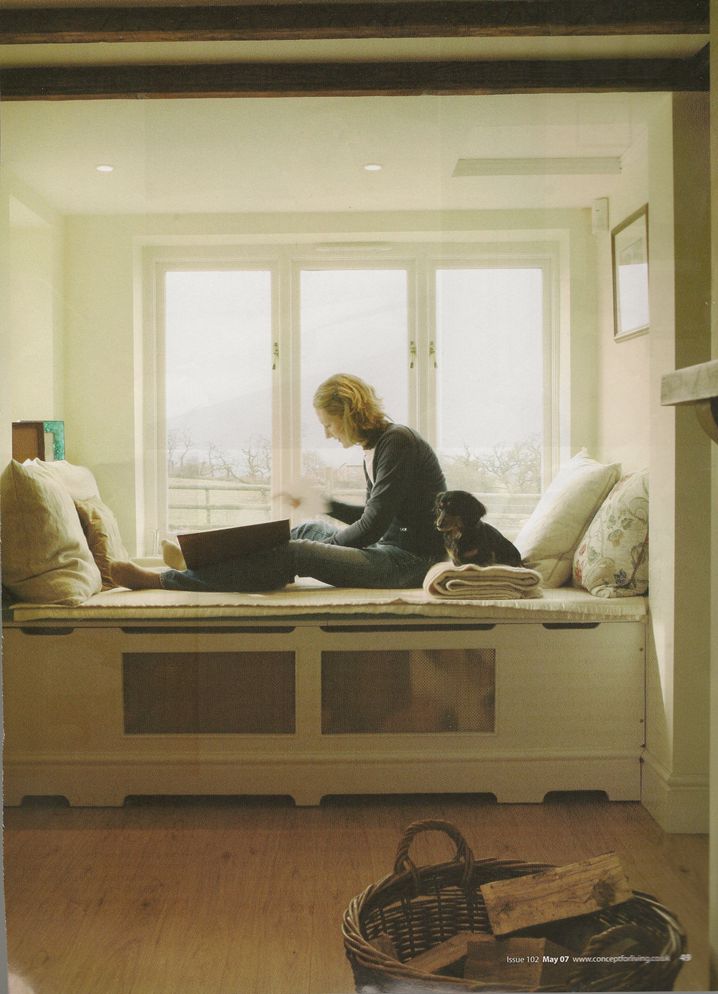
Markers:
<point>179,445</point>
<point>467,472</point>
<point>219,466</point>
<point>258,460</point>
<point>510,468</point>
<point>517,467</point>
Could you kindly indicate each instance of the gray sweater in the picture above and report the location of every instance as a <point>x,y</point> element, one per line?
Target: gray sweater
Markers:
<point>400,501</point>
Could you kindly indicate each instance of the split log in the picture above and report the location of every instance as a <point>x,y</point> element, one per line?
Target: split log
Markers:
<point>559,892</point>
<point>442,956</point>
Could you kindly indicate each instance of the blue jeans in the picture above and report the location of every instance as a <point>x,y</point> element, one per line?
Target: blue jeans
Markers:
<point>306,554</point>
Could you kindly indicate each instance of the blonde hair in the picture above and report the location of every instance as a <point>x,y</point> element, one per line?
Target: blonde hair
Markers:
<point>355,402</point>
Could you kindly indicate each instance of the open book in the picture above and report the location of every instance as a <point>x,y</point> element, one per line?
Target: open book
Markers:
<point>219,544</point>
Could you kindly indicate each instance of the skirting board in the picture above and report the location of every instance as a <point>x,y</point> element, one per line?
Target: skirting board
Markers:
<point>678,804</point>
<point>308,779</point>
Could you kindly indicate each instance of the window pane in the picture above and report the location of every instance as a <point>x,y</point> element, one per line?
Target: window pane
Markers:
<point>352,321</point>
<point>218,398</point>
<point>491,387</point>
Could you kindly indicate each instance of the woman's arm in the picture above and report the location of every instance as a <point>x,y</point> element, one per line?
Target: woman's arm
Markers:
<point>348,513</point>
<point>394,471</point>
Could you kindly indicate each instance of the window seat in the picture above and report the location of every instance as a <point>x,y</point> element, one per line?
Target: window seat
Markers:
<point>313,690</point>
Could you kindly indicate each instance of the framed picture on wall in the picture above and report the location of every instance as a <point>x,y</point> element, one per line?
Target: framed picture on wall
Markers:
<point>629,254</point>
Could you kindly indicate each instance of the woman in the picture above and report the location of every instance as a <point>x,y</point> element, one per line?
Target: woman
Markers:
<point>390,542</point>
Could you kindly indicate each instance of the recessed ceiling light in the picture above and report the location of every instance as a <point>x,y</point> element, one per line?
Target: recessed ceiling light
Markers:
<point>104,168</point>
<point>373,167</point>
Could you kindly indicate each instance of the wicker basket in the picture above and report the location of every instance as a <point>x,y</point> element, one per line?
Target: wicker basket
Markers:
<point>419,907</point>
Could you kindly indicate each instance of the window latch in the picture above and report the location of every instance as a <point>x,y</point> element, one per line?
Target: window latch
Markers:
<point>412,354</point>
<point>432,354</point>
<point>275,355</point>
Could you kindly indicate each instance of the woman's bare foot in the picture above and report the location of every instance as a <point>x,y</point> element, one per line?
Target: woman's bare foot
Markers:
<point>172,554</point>
<point>134,577</point>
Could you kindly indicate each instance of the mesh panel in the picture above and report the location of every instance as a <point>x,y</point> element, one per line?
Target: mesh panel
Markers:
<point>208,692</point>
<point>416,690</point>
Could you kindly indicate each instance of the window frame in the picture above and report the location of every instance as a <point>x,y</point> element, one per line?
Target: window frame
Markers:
<point>286,259</point>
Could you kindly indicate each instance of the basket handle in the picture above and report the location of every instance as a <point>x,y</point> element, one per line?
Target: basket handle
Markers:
<point>403,862</point>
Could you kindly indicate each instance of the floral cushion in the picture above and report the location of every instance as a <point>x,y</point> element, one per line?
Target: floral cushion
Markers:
<point>612,557</point>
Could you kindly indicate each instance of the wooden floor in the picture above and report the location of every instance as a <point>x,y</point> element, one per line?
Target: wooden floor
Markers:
<point>232,896</point>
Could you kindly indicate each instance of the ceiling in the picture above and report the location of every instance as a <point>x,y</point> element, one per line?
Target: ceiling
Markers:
<point>306,153</point>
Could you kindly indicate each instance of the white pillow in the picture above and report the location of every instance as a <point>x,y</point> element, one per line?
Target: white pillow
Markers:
<point>79,481</point>
<point>549,538</point>
<point>46,558</point>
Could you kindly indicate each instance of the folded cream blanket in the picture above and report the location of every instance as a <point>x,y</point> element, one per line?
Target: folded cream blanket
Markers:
<point>482,582</point>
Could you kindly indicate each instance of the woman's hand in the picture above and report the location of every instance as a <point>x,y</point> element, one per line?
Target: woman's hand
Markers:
<point>302,494</point>
<point>294,502</point>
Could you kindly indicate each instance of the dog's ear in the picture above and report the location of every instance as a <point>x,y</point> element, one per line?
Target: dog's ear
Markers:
<point>474,510</point>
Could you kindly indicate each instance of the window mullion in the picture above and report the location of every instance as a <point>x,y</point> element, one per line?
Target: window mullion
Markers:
<point>413,329</point>
<point>153,519</point>
<point>285,359</point>
<point>553,409</point>
<point>428,424</point>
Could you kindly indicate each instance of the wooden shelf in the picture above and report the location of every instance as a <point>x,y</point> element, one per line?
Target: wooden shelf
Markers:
<point>696,385</point>
<point>690,384</point>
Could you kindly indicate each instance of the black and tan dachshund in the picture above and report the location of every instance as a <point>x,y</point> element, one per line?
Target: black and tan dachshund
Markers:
<point>467,538</point>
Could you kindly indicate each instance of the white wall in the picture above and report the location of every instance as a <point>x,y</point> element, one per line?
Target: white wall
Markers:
<point>33,326</point>
<point>31,314</point>
<point>622,383</point>
<point>99,358</point>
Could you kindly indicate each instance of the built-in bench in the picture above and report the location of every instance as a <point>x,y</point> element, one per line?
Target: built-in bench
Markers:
<point>313,691</point>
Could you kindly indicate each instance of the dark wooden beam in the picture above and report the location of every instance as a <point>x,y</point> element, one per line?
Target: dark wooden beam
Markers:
<point>352,79</point>
<point>375,19</point>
